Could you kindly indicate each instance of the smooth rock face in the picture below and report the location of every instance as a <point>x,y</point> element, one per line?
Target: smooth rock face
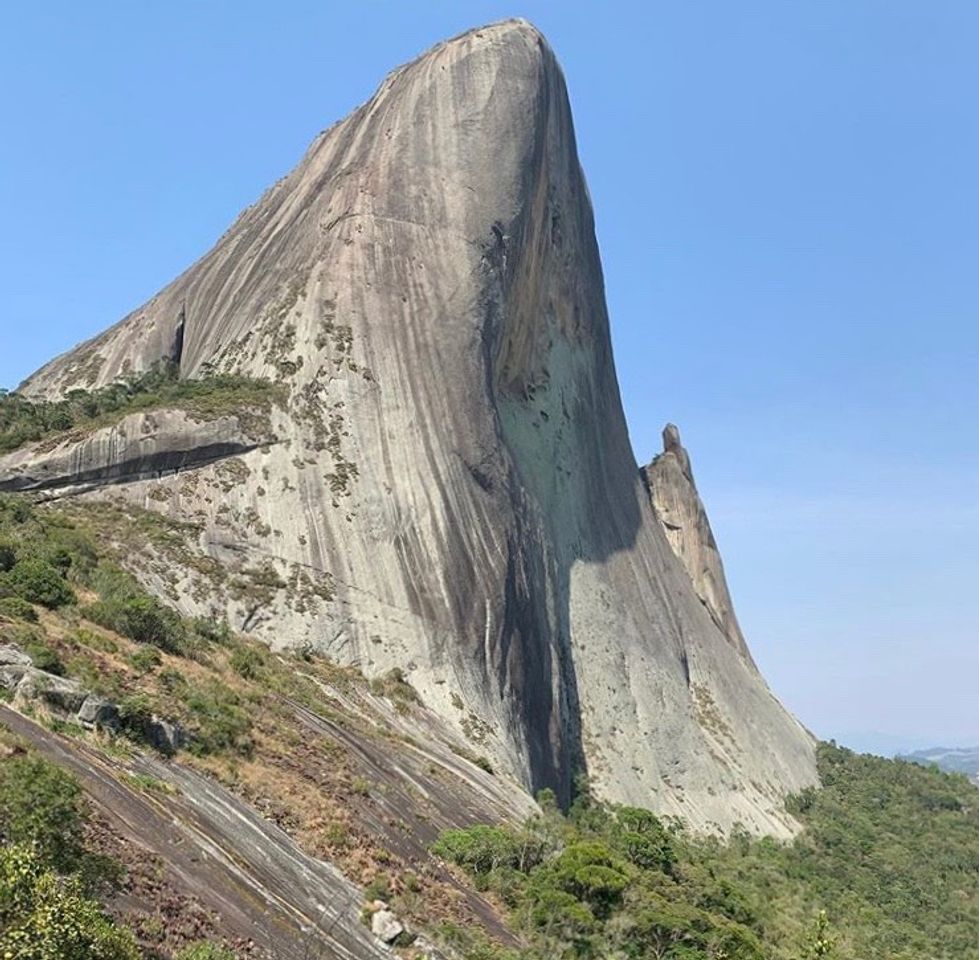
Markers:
<point>452,472</point>
<point>684,520</point>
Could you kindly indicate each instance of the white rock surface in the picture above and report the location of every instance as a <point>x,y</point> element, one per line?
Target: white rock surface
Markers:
<point>386,926</point>
<point>451,490</point>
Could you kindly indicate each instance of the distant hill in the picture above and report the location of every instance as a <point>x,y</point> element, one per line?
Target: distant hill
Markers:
<point>953,759</point>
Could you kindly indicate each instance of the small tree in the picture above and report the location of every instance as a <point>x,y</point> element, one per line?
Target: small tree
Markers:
<point>47,917</point>
<point>39,582</point>
<point>41,807</point>
<point>819,941</point>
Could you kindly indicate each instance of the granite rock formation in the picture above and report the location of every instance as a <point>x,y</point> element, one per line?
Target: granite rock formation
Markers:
<point>449,489</point>
<point>684,520</point>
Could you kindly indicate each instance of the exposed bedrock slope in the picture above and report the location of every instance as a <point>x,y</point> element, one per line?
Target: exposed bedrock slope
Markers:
<point>453,456</point>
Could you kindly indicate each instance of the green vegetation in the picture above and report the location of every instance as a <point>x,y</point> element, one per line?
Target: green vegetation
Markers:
<point>25,421</point>
<point>41,806</point>
<point>37,581</point>
<point>247,662</point>
<point>44,658</point>
<point>44,916</point>
<point>219,722</point>
<point>47,876</point>
<point>887,868</point>
<point>123,606</point>
<point>40,560</point>
<point>70,562</point>
<point>16,608</point>
<point>206,951</point>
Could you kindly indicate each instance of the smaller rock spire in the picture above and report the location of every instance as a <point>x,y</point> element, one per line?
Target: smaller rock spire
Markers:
<point>672,444</point>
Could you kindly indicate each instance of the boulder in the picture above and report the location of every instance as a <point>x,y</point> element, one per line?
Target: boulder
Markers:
<point>164,735</point>
<point>99,713</point>
<point>386,926</point>
<point>12,674</point>
<point>64,696</point>
<point>11,654</point>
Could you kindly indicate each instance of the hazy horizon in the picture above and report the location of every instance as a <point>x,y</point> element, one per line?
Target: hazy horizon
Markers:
<point>784,197</point>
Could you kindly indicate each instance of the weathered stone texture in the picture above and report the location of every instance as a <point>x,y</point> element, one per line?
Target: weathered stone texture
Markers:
<point>453,460</point>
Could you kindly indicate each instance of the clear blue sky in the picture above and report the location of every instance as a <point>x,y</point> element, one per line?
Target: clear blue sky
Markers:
<point>787,204</point>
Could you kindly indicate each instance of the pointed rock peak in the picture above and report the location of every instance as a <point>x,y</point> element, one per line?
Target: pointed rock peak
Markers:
<point>673,445</point>
<point>681,513</point>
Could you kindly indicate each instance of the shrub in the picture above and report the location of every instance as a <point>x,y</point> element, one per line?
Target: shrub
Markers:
<point>247,662</point>
<point>206,951</point>
<point>18,609</point>
<point>17,508</point>
<point>37,581</point>
<point>141,618</point>
<point>47,917</point>
<point>144,659</point>
<point>213,631</point>
<point>483,762</point>
<point>379,888</point>
<point>8,556</point>
<point>395,686</point>
<point>218,722</point>
<point>44,658</point>
<point>135,712</point>
<point>41,805</point>
<point>480,848</point>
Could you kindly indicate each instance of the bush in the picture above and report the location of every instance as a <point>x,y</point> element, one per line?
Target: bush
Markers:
<point>41,805</point>
<point>37,581</point>
<point>47,917</point>
<point>8,556</point>
<point>18,609</point>
<point>247,662</point>
<point>218,722</point>
<point>206,951</point>
<point>144,659</point>
<point>44,658</point>
<point>482,849</point>
<point>141,618</point>
<point>135,712</point>
<point>213,631</point>
<point>15,508</point>
<point>379,888</point>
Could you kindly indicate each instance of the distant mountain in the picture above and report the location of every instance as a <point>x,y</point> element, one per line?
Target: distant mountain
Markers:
<point>953,759</point>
